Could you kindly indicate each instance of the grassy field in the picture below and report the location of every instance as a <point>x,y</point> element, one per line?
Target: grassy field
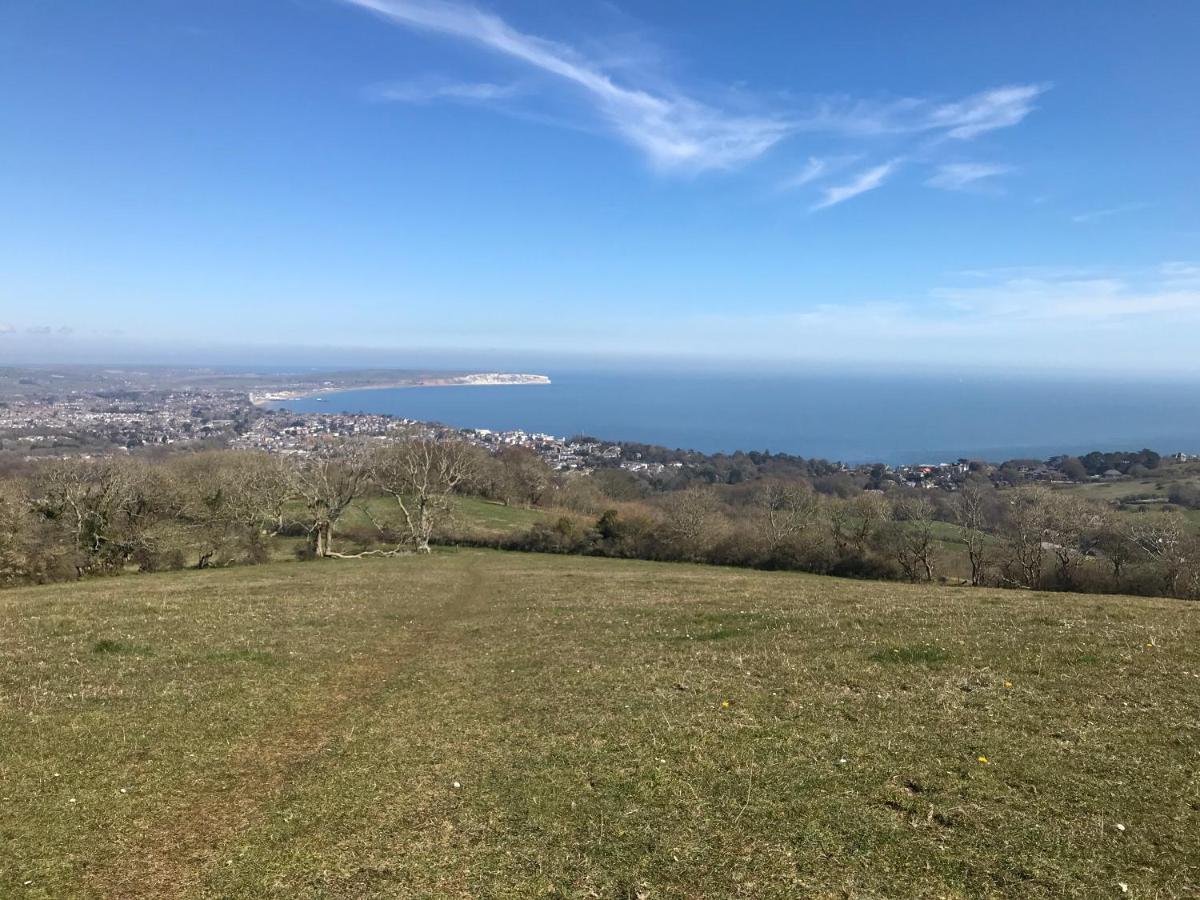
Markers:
<point>1156,484</point>
<point>484,724</point>
<point>468,515</point>
<point>471,512</point>
<point>1124,490</point>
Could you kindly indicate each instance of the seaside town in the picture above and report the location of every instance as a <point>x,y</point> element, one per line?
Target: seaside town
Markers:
<point>38,420</point>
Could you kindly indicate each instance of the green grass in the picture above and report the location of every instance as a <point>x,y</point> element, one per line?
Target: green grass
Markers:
<point>912,655</point>
<point>108,645</point>
<point>482,724</point>
<point>469,515</point>
<point>489,515</point>
<point>1119,490</point>
<point>1156,485</point>
<point>468,512</point>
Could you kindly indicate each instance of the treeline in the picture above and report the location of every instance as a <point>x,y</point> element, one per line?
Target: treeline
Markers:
<point>74,517</point>
<point>728,468</point>
<point>1028,537</point>
<point>70,518</point>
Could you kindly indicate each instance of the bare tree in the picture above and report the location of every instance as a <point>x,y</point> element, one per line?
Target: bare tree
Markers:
<point>912,539</point>
<point>854,522</point>
<point>420,475</point>
<point>1026,536</point>
<point>692,521</point>
<point>1068,523</point>
<point>1164,539</point>
<point>523,476</point>
<point>971,513</point>
<point>28,551</point>
<point>327,485</point>
<point>786,511</point>
<point>109,509</point>
<point>234,501</point>
<point>1112,539</point>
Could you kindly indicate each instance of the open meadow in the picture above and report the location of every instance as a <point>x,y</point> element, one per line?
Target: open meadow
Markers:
<point>487,724</point>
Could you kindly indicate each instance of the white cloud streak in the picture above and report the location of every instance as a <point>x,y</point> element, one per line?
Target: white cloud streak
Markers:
<point>674,131</point>
<point>678,132</point>
<point>815,168</point>
<point>986,111</point>
<point>1001,107</point>
<point>431,90</point>
<point>1071,322</point>
<point>1079,300</point>
<point>865,181</point>
<point>818,168</point>
<point>961,176</point>
<point>1097,215</point>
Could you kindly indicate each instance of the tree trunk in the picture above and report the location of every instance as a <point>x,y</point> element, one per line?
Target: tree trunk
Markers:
<point>320,539</point>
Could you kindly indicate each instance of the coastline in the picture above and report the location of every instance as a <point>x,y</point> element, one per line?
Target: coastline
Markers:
<point>263,399</point>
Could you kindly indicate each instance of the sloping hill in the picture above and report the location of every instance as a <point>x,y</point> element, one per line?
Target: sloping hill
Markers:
<point>507,725</point>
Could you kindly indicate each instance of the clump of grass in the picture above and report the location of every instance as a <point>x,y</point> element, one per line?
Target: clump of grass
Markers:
<point>912,655</point>
<point>119,648</point>
<point>244,654</point>
<point>719,634</point>
<point>720,627</point>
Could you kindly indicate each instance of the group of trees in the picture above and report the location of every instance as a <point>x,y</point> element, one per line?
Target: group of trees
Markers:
<point>77,517</point>
<point>67,518</point>
<point>1030,537</point>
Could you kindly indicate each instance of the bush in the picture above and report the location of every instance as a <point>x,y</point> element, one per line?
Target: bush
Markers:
<point>1185,495</point>
<point>867,567</point>
<point>566,535</point>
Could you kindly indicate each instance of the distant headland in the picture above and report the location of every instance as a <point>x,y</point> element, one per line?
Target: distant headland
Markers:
<point>475,379</point>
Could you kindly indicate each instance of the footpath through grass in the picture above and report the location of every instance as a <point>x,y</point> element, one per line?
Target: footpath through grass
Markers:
<point>483,724</point>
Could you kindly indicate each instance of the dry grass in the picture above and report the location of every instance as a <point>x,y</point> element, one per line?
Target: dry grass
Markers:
<point>503,725</point>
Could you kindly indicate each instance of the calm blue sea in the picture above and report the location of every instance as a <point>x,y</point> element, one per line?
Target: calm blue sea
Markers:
<point>852,418</point>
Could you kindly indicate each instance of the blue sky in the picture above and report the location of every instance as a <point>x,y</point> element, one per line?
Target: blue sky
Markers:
<point>997,185</point>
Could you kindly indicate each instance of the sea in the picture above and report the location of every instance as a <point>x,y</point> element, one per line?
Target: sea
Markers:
<point>895,419</point>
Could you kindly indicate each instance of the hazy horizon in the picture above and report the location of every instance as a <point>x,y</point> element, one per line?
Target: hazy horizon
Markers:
<point>780,186</point>
<point>282,359</point>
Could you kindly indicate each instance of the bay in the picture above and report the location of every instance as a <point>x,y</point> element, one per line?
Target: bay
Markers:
<point>852,418</point>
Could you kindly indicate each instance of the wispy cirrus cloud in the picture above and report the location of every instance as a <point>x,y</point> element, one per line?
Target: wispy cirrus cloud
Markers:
<point>1000,107</point>
<point>675,128</point>
<point>1098,214</point>
<point>813,169</point>
<point>962,176</point>
<point>672,129</point>
<point>865,181</point>
<point>429,90</point>
<point>1071,320</point>
<point>965,119</point>
<point>817,168</point>
<point>1079,298</point>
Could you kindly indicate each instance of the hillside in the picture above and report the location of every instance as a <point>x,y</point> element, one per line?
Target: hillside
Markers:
<point>508,725</point>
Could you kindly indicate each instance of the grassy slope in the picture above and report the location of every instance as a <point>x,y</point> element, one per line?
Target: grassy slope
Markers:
<point>482,518</point>
<point>617,729</point>
<point>471,512</point>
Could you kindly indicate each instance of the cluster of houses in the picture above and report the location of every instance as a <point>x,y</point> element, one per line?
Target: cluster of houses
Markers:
<point>305,433</point>
<point>83,422</point>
